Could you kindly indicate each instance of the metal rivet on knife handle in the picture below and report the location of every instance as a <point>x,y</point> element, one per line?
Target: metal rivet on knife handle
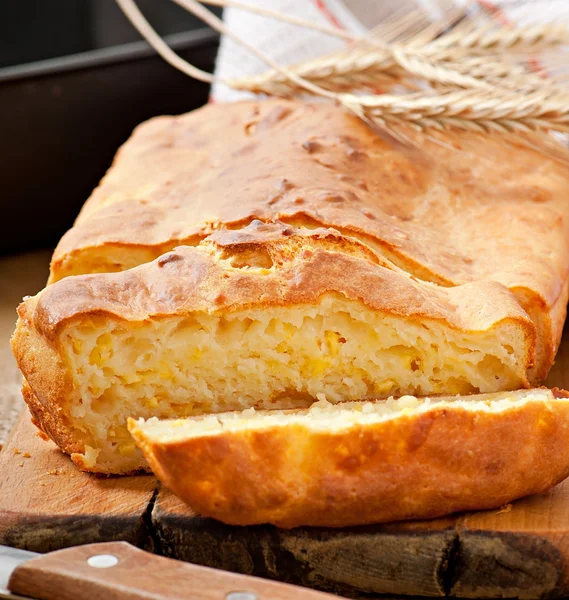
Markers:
<point>102,561</point>
<point>241,596</point>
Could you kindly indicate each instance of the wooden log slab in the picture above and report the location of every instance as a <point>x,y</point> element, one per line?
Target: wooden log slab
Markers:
<point>400,558</point>
<point>520,551</point>
<point>46,503</point>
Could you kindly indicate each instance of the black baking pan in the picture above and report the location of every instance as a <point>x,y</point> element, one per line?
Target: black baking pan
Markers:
<point>62,120</point>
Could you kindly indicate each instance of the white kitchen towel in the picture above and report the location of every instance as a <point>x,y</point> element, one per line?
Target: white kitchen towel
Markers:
<point>290,44</point>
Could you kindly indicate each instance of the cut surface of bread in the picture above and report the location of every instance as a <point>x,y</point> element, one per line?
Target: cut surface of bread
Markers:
<point>362,462</point>
<point>273,324</point>
<point>450,211</point>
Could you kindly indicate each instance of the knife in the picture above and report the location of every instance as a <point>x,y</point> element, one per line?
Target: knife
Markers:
<point>119,571</point>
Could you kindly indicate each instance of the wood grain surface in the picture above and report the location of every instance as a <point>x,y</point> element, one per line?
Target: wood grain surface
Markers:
<point>521,550</point>
<point>47,504</point>
<point>395,559</point>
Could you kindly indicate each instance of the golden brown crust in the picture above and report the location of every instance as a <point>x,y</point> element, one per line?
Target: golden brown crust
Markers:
<point>194,279</point>
<point>420,465</point>
<point>47,388</point>
<point>53,427</point>
<point>488,211</point>
<point>556,316</point>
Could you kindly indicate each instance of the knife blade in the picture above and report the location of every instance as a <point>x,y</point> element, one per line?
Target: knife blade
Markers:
<point>119,571</point>
<point>10,558</point>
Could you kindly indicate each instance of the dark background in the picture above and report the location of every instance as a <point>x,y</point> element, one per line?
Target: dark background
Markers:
<point>33,30</point>
<point>75,79</point>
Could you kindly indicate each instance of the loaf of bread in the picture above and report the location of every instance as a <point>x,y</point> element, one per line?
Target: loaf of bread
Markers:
<point>448,212</point>
<point>363,462</point>
<point>265,317</point>
<point>268,254</point>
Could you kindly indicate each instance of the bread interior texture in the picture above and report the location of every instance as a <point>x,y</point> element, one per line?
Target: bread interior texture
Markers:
<point>331,418</point>
<point>270,358</point>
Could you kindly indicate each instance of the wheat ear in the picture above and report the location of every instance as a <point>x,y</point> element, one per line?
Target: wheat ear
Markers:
<point>479,111</point>
<point>492,39</point>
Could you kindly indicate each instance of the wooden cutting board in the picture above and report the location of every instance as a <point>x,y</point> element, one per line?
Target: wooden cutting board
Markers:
<point>521,550</point>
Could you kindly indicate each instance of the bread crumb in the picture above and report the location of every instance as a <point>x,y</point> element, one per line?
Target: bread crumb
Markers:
<point>20,464</point>
<point>42,483</point>
<point>16,451</point>
<point>53,472</point>
<point>504,509</point>
<point>27,455</point>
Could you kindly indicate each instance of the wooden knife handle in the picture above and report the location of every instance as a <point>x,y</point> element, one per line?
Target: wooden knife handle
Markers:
<point>119,571</point>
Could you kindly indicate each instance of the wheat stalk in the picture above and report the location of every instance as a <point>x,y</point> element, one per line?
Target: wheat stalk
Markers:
<point>479,111</point>
<point>515,77</point>
<point>359,68</point>
<point>475,93</point>
<point>492,39</point>
<point>339,71</point>
<point>366,67</point>
<point>435,72</point>
<point>363,68</point>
